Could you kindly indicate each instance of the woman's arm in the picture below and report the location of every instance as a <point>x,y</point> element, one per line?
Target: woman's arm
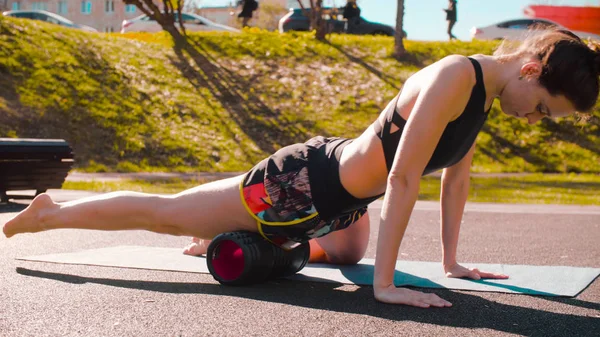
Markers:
<point>455,190</point>
<point>453,196</point>
<point>445,88</point>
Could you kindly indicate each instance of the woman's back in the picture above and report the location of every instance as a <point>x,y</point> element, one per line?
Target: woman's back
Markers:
<point>366,162</point>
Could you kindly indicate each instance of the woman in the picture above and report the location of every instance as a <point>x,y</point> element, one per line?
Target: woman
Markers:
<point>451,17</point>
<point>320,189</point>
<point>352,15</point>
<point>248,6</point>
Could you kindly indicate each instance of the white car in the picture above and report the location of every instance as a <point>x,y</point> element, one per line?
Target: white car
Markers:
<point>192,23</point>
<point>46,16</point>
<point>515,30</point>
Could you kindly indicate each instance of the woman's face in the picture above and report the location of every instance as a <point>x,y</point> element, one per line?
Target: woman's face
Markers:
<point>526,98</point>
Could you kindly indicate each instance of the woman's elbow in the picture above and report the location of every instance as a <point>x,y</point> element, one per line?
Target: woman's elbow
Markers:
<point>404,181</point>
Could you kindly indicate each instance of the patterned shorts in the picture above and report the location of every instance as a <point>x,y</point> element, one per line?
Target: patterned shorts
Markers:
<point>277,194</point>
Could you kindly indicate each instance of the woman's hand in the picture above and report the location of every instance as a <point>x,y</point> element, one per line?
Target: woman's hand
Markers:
<point>458,271</point>
<point>393,295</point>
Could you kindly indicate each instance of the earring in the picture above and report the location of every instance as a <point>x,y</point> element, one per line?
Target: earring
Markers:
<point>520,78</point>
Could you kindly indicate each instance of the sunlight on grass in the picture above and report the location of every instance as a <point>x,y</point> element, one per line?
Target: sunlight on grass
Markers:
<point>529,189</point>
<point>167,186</point>
<point>136,103</point>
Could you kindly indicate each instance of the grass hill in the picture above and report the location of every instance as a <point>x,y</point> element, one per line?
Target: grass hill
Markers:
<point>137,103</point>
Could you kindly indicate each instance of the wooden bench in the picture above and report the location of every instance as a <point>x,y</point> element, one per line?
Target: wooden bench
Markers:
<point>33,164</point>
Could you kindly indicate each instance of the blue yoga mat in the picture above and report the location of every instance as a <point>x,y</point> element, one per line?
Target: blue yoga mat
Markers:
<point>533,280</point>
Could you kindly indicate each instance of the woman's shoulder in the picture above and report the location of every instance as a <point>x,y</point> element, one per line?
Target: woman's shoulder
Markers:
<point>456,61</point>
<point>454,67</point>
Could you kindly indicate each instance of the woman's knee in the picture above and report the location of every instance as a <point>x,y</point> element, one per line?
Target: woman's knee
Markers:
<point>345,257</point>
<point>347,246</point>
<point>167,216</point>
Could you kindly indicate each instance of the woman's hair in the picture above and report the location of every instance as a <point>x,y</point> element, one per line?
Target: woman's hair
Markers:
<point>570,67</point>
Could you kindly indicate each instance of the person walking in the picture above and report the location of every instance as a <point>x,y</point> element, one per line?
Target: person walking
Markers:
<point>248,7</point>
<point>451,17</point>
<point>352,15</point>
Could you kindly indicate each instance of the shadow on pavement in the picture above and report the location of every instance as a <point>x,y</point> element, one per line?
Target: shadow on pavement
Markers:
<point>11,207</point>
<point>469,311</point>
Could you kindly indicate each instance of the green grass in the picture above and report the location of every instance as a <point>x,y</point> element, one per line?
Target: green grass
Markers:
<point>580,189</point>
<point>576,189</point>
<point>136,103</point>
<point>167,186</point>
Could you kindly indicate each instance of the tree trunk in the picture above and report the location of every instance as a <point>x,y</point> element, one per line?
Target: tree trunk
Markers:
<point>177,10</point>
<point>399,51</point>
<point>316,18</point>
<point>166,17</point>
<point>177,34</point>
<point>320,24</point>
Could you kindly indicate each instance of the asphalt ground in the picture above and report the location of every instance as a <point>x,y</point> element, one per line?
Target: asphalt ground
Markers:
<point>41,299</point>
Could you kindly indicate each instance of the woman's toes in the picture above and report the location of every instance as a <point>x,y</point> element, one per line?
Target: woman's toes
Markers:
<point>30,219</point>
<point>196,248</point>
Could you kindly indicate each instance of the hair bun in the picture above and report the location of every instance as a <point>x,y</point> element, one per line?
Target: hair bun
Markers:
<point>568,33</point>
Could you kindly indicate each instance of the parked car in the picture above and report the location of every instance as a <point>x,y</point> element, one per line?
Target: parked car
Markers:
<point>46,16</point>
<point>515,29</point>
<point>295,20</point>
<point>192,22</point>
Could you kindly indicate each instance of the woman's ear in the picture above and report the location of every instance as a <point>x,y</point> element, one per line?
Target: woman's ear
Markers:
<point>531,70</point>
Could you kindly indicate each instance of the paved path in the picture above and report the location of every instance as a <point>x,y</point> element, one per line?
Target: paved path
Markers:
<point>40,299</point>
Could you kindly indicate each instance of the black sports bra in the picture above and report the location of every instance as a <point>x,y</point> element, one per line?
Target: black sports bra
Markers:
<point>332,199</point>
<point>458,137</point>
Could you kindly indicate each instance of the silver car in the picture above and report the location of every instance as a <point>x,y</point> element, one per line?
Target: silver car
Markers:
<point>46,16</point>
<point>191,21</point>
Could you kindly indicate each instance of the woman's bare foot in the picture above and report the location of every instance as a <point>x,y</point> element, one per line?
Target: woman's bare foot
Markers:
<point>30,219</point>
<point>197,247</point>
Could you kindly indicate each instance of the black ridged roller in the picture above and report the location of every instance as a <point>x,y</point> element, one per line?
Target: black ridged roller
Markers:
<point>244,258</point>
<point>289,262</point>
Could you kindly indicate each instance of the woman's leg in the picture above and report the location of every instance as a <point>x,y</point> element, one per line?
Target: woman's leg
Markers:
<point>245,21</point>
<point>346,246</point>
<point>203,211</point>
<point>450,26</point>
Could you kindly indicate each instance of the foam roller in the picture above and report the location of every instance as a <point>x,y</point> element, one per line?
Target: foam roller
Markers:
<point>243,258</point>
<point>289,262</point>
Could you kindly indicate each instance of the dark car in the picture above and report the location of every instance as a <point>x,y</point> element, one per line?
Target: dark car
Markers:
<point>296,20</point>
<point>47,17</point>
